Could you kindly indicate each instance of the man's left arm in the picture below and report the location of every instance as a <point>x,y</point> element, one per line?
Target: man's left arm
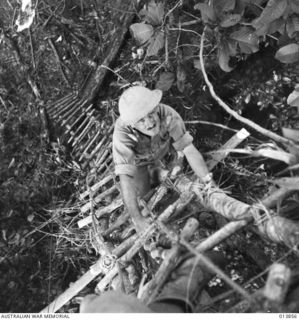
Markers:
<point>197,163</point>
<point>183,142</point>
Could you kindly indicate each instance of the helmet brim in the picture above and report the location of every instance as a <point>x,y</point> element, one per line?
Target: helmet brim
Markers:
<point>130,119</point>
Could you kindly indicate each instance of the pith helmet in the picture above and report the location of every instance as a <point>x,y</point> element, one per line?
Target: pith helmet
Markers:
<point>136,102</point>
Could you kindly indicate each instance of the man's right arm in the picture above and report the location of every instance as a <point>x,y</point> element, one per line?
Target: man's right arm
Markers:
<point>129,196</point>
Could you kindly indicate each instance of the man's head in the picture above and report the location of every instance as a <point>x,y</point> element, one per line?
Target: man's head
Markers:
<point>138,108</point>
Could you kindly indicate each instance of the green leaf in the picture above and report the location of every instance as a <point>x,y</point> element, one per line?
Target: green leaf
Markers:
<point>273,10</point>
<point>153,13</point>
<point>288,53</point>
<point>293,99</point>
<point>247,39</point>
<point>223,57</point>
<point>156,43</point>
<point>292,25</point>
<point>141,32</point>
<point>232,46</point>
<point>207,12</point>
<point>295,6</point>
<point>222,6</point>
<point>291,134</point>
<point>277,25</point>
<point>165,81</point>
<point>262,31</point>
<point>230,20</point>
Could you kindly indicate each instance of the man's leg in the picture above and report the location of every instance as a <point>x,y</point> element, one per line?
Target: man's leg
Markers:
<point>112,302</point>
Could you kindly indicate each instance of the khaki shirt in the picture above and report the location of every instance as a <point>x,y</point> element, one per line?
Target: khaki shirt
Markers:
<point>131,148</point>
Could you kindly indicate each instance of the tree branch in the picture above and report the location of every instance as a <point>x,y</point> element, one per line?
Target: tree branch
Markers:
<point>233,113</point>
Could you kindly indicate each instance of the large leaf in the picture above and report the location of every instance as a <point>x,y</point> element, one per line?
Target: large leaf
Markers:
<point>273,10</point>
<point>293,98</point>
<point>165,81</point>
<point>153,13</point>
<point>295,6</point>
<point>292,25</point>
<point>224,56</point>
<point>141,32</point>
<point>230,20</point>
<point>156,43</point>
<point>207,12</point>
<point>262,31</point>
<point>247,39</point>
<point>222,6</point>
<point>277,25</point>
<point>291,134</point>
<point>288,53</point>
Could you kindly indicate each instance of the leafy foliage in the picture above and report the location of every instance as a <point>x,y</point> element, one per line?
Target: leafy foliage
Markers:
<point>153,13</point>
<point>231,20</point>
<point>142,32</point>
<point>150,32</point>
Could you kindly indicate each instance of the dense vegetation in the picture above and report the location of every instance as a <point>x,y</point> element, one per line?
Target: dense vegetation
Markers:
<point>250,53</point>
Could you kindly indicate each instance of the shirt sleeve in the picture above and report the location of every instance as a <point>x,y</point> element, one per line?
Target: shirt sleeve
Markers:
<point>123,154</point>
<point>177,129</point>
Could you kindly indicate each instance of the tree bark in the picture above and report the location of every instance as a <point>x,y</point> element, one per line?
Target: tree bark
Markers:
<point>127,10</point>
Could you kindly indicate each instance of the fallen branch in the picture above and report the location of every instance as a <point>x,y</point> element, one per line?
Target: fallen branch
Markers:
<point>275,228</point>
<point>219,125</point>
<point>288,158</point>
<point>221,153</point>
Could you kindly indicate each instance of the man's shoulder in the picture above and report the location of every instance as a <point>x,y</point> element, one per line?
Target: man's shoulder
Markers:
<point>165,108</point>
<point>120,127</point>
<point>122,132</point>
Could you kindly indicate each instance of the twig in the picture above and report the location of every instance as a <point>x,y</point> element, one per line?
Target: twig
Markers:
<point>3,103</point>
<point>290,168</point>
<point>210,124</point>
<point>233,113</point>
<point>31,49</point>
<point>190,23</point>
<point>185,30</point>
<point>59,62</point>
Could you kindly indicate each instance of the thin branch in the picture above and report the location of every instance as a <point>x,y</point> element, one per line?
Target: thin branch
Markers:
<point>31,49</point>
<point>210,124</point>
<point>233,113</point>
<point>59,62</point>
